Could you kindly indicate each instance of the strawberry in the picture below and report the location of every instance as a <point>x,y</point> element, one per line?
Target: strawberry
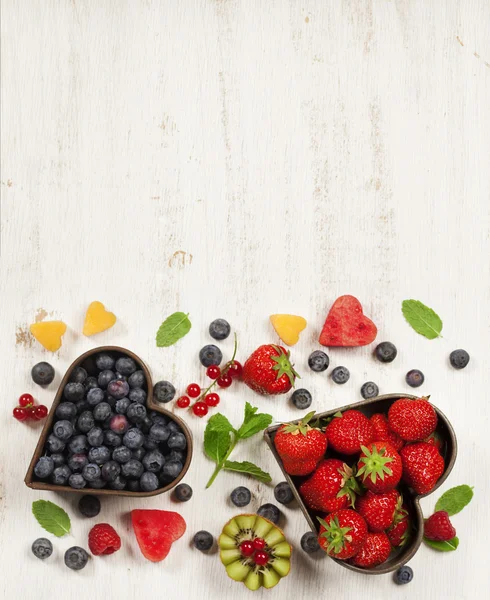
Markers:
<point>331,487</point>
<point>383,433</point>
<point>156,530</point>
<point>412,420</point>
<point>434,439</point>
<point>348,431</point>
<point>380,466</point>
<point>103,539</point>
<point>373,552</point>
<point>399,531</point>
<point>438,527</point>
<point>342,533</point>
<point>422,466</point>
<point>300,446</point>
<point>268,370</point>
<point>346,325</point>
<point>378,510</point>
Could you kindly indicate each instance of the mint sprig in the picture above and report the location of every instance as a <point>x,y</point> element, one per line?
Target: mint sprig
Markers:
<point>423,319</point>
<point>51,517</point>
<point>454,500</point>
<point>173,329</point>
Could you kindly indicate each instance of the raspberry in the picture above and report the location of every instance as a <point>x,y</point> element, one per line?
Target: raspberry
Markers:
<point>103,539</point>
<point>438,527</point>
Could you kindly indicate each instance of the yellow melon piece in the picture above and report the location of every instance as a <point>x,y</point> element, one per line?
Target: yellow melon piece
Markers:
<point>288,327</point>
<point>49,333</point>
<point>97,319</point>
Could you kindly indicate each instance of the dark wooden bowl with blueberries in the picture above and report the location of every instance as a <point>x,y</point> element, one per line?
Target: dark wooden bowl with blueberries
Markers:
<point>106,434</point>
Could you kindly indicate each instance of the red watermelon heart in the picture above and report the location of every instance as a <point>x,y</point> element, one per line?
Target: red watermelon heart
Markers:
<point>156,530</point>
<point>346,325</point>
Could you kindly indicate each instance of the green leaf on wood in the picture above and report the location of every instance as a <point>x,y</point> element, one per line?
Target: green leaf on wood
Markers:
<point>174,328</point>
<point>253,422</point>
<point>443,546</point>
<point>454,500</point>
<point>217,438</point>
<point>51,517</point>
<point>422,318</point>
<point>248,468</point>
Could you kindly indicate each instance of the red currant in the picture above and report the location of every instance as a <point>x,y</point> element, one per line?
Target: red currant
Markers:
<point>212,399</point>
<point>261,558</point>
<point>31,416</point>
<point>213,372</point>
<point>224,381</point>
<point>183,402</point>
<point>193,390</point>
<point>26,400</point>
<point>200,409</point>
<point>246,548</point>
<point>258,544</point>
<point>20,413</point>
<point>235,370</point>
<point>40,412</point>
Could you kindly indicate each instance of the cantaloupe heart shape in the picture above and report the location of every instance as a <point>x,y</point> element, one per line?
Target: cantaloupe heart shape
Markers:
<point>288,327</point>
<point>49,333</point>
<point>97,319</point>
<point>346,325</point>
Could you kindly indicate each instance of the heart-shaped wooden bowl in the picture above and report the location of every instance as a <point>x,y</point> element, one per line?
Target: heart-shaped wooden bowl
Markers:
<point>369,407</point>
<point>86,361</point>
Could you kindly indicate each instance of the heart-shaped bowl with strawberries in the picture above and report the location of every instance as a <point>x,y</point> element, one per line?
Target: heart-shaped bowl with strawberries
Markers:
<point>125,479</point>
<point>448,450</point>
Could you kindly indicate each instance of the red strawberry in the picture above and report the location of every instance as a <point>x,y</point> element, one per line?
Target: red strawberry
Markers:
<point>383,433</point>
<point>300,446</point>
<point>378,509</point>
<point>399,532</point>
<point>438,527</point>
<point>331,487</point>
<point>156,530</point>
<point>346,325</point>
<point>380,467</point>
<point>269,371</point>
<point>434,439</point>
<point>412,420</point>
<point>342,533</point>
<point>373,552</point>
<point>103,539</point>
<point>348,431</point>
<point>422,466</point>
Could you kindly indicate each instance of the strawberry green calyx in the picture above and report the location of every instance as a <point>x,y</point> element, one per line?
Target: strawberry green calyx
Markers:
<point>374,464</point>
<point>335,535</point>
<point>350,486</point>
<point>302,427</point>
<point>283,365</point>
<point>400,512</point>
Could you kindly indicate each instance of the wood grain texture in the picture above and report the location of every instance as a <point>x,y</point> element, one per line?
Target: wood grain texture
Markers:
<point>237,158</point>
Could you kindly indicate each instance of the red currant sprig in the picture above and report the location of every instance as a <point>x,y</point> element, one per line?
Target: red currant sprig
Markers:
<point>26,411</point>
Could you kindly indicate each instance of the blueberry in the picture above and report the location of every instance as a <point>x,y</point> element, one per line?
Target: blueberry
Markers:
<point>385,352</point>
<point>95,396</point>
<point>178,455</point>
<point>309,542</point>
<point>174,428</point>
<point>112,439</point>
<point>241,496</point>
<point>137,379</point>
<point>54,444</point>
<point>76,558</point>
<point>98,484</point>
<point>126,365</point>
<point>133,485</point>
<point>121,454</point>
<point>150,444</point>
<point>95,436</point>
<point>203,540</point>
<point>42,548</point>
<point>63,430</point>
<point>318,361</point>
<point>283,493</point>
<point>159,433</point>
<point>85,421</point>
<point>110,470</point>
<point>210,355</point>
<point>459,358</point>
<point>58,459</point>
<point>270,511</point>
<point>66,410</point>
<point>172,469</point>
<point>137,395</point>
<point>104,362</point>
<point>78,375</point>
<point>403,575</point>
<point>78,444</point>
<point>99,455</point>
<point>60,475</point>
<point>119,483</point>
<point>219,329</point>
<point>90,383</point>
<point>158,418</point>
<point>76,481</point>
<point>301,398</point>
<point>42,373</point>
<point>44,467</point>
<point>76,462</point>
<point>133,438</point>
<point>149,482</point>
<point>102,411</point>
<point>122,406</point>
<point>183,492</point>
<point>415,378</point>
<point>119,424</point>
<point>369,390</point>
<point>136,413</point>
<point>89,506</point>
<point>146,424</point>
<point>340,374</point>
<point>163,391</point>
<point>177,441</point>
<point>119,377</point>
<point>133,469</point>
<point>138,453</point>
<point>91,472</point>
<point>104,378</point>
<point>153,461</point>
<point>74,392</point>
<point>82,406</point>
<point>118,389</point>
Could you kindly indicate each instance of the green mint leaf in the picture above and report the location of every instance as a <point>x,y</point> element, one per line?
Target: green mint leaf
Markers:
<point>51,517</point>
<point>172,329</point>
<point>217,437</point>
<point>248,468</point>
<point>443,546</point>
<point>454,500</point>
<point>422,318</point>
<point>253,422</point>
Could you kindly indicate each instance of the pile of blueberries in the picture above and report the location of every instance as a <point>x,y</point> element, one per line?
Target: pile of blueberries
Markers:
<point>104,436</point>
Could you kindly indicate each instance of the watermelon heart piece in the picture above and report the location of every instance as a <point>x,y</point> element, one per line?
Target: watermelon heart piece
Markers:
<point>156,530</point>
<point>346,325</point>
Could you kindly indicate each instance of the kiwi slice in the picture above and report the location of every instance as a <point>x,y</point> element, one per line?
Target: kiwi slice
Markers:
<point>254,551</point>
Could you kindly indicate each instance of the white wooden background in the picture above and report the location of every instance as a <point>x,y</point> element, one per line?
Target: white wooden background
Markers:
<point>236,159</point>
